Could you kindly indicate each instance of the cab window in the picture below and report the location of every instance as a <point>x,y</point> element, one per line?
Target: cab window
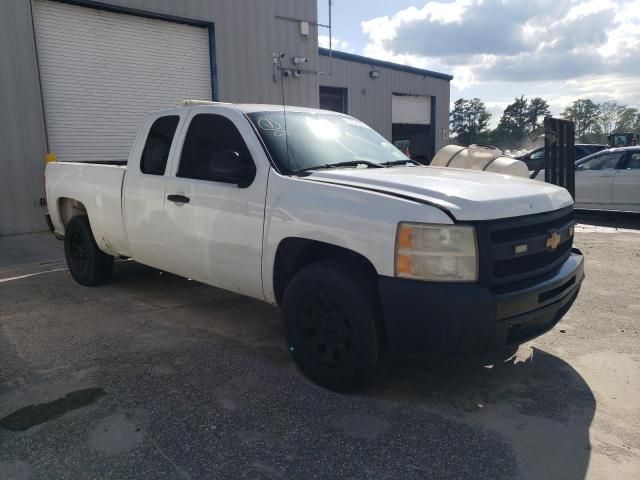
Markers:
<point>208,139</point>
<point>156,149</point>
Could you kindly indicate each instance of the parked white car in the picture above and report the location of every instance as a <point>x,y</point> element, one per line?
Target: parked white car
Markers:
<point>364,250</point>
<point>608,180</point>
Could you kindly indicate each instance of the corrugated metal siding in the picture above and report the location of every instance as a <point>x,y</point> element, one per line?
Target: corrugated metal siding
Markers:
<point>370,98</point>
<point>247,32</point>
<point>97,88</point>
<point>413,109</point>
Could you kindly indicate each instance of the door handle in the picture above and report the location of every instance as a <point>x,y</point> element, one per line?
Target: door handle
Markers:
<point>178,198</point>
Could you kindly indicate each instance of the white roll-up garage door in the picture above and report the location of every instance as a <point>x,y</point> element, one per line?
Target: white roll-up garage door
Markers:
<point>101,72</point>
<point>414,109</point>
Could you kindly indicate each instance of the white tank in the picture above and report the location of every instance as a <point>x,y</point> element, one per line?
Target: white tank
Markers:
<point>479,157</point>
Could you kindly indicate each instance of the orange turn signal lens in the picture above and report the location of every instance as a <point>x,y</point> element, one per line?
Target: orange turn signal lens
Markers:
<point>403,264</point>
<point>405,237</point>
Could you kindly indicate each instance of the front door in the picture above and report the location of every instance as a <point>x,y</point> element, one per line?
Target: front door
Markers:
<point>594,177</point>
<point>214,227</point>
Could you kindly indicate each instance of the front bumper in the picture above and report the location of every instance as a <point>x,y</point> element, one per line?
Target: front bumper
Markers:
<point>468,319</point>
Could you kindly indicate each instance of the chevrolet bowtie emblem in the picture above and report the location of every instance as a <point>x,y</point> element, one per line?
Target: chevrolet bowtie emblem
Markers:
<point>553,241</point>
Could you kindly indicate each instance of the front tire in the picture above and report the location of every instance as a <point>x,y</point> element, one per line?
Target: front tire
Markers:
<point>331,323</point>
<point>88,265</point>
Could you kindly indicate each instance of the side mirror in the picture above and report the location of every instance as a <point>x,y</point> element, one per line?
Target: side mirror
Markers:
<point>229,166</point>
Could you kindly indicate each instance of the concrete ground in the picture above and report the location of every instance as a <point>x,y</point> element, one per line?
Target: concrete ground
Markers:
<point>154,376</point>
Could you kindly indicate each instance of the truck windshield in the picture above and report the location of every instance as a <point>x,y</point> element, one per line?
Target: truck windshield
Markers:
<point>317,140</point>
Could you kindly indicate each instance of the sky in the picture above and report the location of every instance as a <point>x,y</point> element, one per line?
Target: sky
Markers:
<point>560,50</point>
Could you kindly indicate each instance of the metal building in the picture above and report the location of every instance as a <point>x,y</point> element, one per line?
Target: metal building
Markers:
<point>409,106</point>
<point>76,77</point>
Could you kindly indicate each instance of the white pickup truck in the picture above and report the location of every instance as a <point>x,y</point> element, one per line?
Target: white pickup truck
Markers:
<point>365,251</point>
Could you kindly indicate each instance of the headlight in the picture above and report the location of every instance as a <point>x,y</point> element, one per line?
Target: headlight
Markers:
<point>436,253</point>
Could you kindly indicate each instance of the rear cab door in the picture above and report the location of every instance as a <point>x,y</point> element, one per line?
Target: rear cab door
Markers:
<point>145,184</point>
<point>626,183</point>
<point>214,225</point>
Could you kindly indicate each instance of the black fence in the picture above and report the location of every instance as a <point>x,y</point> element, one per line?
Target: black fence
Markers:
<point>560,153</point>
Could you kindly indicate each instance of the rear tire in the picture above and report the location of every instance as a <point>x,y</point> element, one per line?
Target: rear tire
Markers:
<point>331,320</point>
<point>88,265</point>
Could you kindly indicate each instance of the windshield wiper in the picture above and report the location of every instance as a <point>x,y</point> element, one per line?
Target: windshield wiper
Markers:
<point>350,163</point>
<point>400,162</point>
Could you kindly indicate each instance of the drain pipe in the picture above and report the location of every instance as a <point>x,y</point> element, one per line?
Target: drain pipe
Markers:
<point>330,72</point>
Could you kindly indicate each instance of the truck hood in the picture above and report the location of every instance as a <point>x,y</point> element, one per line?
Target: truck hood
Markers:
<point>466,194</point>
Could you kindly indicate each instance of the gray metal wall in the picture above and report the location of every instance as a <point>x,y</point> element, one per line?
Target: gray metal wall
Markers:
<point>22,142</point>
<point>369,99</point>
<point>247,33</point>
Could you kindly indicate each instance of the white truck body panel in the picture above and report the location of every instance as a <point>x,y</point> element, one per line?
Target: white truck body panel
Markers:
<point>228,237</point>
<point>217,238</point>
<point>358,220</point>
<point>99,189</point>
<point>229,196</point>
<point>467,194</point>
<point>144,197</point>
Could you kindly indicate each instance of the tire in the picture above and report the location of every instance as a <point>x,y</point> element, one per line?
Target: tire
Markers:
<point>89,266</point>
<point>330,312</point>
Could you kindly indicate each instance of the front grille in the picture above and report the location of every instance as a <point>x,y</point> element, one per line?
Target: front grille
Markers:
<point>511,234</point>
<point>497,241</point>
<point>527,263</point>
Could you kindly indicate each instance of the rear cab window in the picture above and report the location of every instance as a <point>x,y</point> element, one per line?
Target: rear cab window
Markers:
<point>156,149</point>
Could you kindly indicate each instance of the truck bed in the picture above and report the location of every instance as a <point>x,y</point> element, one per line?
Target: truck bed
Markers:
<point>98,188</point>
<point>116,163</point>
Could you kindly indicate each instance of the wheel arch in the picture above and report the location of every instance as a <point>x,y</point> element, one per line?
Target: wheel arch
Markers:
<point>69,208</point>
<point>295,253</point>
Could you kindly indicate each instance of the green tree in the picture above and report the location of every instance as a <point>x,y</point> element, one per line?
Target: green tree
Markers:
<point>469,120</point>
<point>628,119</point>
<point>584,114</point>
<point>609,116</point>
<point>536,111</point>
<point>514,124</point>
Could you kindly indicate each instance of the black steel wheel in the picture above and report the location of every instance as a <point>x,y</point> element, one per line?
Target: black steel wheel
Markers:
<point>87,264</point>
<point>325,329</point>
<point>331,313</point>
<point>78,251</point>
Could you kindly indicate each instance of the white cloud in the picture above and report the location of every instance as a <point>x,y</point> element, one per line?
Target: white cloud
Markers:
<point>589,7</point>
<point>520,43</point>
<point>337,44</point>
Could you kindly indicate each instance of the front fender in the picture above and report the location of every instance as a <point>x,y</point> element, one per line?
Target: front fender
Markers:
<point>362,221</point>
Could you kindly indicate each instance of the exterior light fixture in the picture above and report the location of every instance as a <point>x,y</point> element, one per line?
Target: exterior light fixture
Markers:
<point>374,74</point>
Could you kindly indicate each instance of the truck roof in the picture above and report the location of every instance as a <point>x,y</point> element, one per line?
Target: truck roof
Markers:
<point>242,107</point>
